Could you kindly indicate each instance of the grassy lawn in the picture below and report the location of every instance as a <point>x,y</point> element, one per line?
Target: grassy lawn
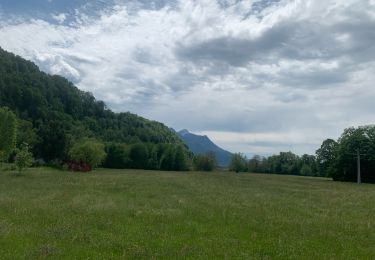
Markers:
<point>142,214</point>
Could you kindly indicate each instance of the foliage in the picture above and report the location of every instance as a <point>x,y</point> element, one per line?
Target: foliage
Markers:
<point>170,157</point>
<point>284,163</point>
<point>306,170</point>
<point>89,151</point>
<point>238,163</point>
<point>255,164</point>
<point>336,159</point>
<point>138,156</point>
<point>26,133</point>
<point>117,156</point>
<point>24,158</point>
<point>55,113</point>
<point>308,165</point>
<point>325,157</point>
<point>167,159</point>
<point>205,162</point>
<point>8,131</point>
<point>339,159</point>
<point>353,140</point>
<point>180,159</point>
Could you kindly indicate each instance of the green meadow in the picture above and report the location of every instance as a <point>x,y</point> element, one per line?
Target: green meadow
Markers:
<point>127,214</point>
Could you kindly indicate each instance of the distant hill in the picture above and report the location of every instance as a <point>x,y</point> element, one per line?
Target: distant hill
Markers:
<point>53,113</point>
<point>199,144</point>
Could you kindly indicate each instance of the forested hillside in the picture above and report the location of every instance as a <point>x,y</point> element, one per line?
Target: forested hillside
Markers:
<point>52,113</point>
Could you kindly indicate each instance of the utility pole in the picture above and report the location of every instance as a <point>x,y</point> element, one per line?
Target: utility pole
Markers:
<point>358,167</point>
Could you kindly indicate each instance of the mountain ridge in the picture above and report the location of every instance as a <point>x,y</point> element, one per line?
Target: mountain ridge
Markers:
<point>202,144</point>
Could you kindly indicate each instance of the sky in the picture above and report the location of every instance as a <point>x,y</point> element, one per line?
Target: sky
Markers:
<point>256,76</point>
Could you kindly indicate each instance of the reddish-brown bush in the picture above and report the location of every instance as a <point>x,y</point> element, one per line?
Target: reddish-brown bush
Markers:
<point>79,166</point>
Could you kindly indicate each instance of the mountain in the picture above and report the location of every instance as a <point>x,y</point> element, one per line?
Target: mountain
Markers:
<point>202,144</point>
<point>53,113</point>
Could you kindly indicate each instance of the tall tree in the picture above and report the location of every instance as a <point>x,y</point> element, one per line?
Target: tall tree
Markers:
<point>355,140</point>
<point>238,163</point>
<point>254,164</point>
<point>138,156</point>
<point>325,156</point>
<point>8,132</point>
<point>180,159</point>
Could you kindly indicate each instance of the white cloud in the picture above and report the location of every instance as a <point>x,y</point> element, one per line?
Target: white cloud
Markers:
<point>259,76</point>
<point>60,18</point>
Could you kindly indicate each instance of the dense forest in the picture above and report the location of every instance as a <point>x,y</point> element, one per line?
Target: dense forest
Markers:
<point>53,114</point>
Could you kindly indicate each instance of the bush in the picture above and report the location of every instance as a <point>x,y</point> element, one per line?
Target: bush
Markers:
<point>86,155</point>
<point>205,162</point>
<point>24,158</point>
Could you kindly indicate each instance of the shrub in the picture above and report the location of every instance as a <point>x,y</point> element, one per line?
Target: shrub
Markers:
<point>24,158</point>
<point>86,155</point>
<point>205,162</point>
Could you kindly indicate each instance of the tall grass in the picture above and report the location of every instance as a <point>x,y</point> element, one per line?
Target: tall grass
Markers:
<point>143,214</point>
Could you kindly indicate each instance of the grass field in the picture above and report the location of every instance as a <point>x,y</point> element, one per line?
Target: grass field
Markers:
<point>140,214</point>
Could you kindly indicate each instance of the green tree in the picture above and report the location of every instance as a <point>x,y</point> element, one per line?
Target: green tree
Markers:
<point>310,162</point>
<point>288,163</point>
<point>167,159</point>
<point>117,156</point>
<point>89,151</point>
<point>205,162</point>
<point>238,163</point>
<point>153,160</point>
<point>306,170</point>
<point>325,157</point>
<point>54,142</point>
<point>26,134</point>
<point>138,156</point>
<point>24,158</point>
<point>353,140</point>
<point>8,132</point>
<point>180,159</point>
<point>255,164</point>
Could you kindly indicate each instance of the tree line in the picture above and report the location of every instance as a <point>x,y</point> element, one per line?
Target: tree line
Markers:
<point>88,153</point>
<point>283,163</point>
<point>336,159</point>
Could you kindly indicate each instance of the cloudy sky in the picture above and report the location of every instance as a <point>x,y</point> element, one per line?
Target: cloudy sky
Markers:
<point>257,76</point>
